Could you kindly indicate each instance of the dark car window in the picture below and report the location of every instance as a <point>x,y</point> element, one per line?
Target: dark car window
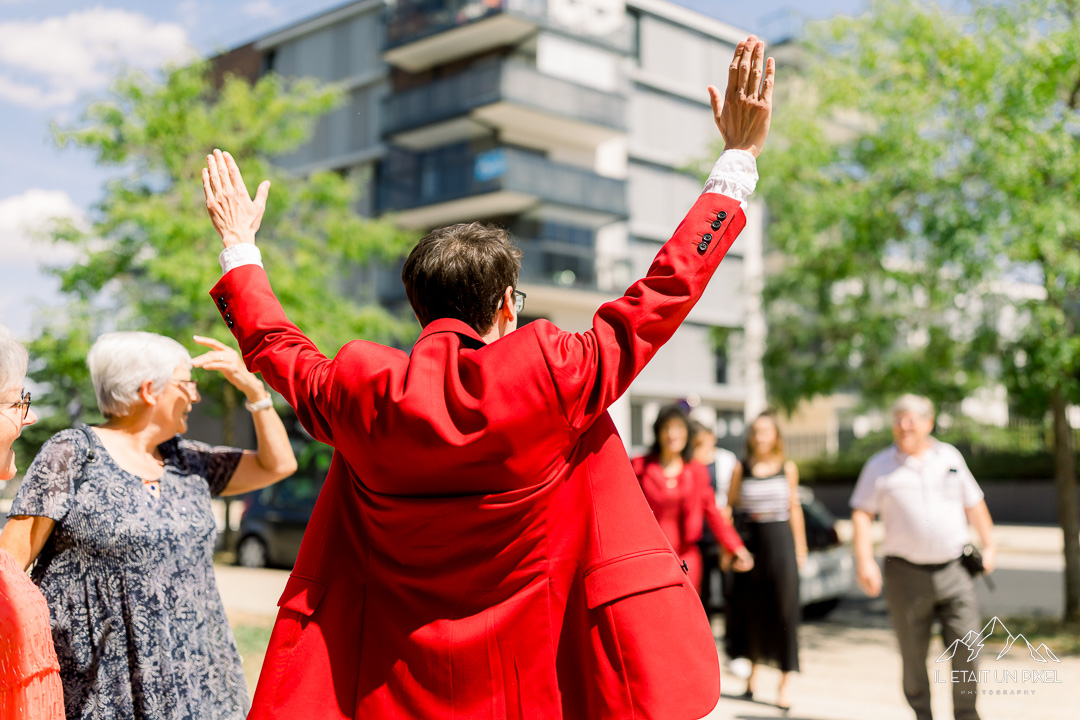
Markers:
<point>297,491</point>
<point>819,526</point>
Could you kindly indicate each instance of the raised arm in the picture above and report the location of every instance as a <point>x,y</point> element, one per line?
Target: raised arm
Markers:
<point>591,370</point>
<point>270,344</point>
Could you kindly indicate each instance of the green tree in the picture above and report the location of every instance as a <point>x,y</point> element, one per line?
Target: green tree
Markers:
<point>924,179</point>
<point>148,254</point>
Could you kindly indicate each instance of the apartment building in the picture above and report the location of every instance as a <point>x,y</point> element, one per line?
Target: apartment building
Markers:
<point>570,122</point>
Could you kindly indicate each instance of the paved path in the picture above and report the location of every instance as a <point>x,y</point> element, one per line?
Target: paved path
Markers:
<point>851,667</point>
<point>853,673</point>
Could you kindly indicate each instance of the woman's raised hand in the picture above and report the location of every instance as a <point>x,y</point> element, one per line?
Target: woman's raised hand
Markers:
<point>228,362</point>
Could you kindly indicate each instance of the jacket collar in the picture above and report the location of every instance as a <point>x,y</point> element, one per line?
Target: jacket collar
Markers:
<point>450,325</point>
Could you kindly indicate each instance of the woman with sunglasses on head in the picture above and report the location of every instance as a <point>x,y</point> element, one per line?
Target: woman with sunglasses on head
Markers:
<point>119,520</point>
<point>29,673</point>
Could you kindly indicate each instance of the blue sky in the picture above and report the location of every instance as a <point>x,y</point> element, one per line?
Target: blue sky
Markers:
<point>56,55</point>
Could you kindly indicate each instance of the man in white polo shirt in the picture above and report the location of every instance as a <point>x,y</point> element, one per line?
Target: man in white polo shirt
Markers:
<point>926,497</point>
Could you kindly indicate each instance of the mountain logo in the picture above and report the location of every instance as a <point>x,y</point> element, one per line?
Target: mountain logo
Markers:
<point>973,642</point>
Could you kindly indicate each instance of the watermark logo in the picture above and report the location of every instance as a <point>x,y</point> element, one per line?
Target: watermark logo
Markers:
<point>973,642</point>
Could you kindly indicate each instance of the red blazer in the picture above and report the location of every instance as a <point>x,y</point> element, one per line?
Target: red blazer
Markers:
<point>697,503</point>
<point>481,548</point>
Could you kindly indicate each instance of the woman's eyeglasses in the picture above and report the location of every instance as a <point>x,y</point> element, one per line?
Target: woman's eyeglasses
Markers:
<point>23,406</point>
<point>190,387</point>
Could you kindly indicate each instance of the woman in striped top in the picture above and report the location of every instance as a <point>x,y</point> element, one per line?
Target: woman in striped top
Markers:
<point>762,622</point>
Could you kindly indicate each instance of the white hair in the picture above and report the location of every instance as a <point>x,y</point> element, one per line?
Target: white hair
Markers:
<point>13,360</point>
<point>121,361</point>
<point>917,404</point>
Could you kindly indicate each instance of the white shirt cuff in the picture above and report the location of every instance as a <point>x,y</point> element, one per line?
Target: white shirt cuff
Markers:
<point>237,255</point>
<point>734,175</point>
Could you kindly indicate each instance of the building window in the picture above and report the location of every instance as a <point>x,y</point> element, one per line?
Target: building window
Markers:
<point>633,17</point>
<point>721,354</point>
<point>269,61</point>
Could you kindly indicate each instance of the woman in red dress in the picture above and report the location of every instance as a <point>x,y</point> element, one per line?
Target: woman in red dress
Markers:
<point>29,672</point>
<point>678,491</point>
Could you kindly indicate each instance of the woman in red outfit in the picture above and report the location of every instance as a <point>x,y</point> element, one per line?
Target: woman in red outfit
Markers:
<point>680,496</point>
<point>29,673</point>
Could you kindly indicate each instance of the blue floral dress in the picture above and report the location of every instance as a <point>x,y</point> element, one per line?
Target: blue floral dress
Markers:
<point>139,628</point>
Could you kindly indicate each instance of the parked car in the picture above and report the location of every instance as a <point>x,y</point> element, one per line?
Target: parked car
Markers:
<point>275,517</point>
<point>828,572</point>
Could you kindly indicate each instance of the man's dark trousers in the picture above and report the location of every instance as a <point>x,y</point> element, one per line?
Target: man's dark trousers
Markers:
<point>916,595</point>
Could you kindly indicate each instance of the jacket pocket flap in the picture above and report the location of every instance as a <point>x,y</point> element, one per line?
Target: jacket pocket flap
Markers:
<point>301,595</point>
<point>630,575</point>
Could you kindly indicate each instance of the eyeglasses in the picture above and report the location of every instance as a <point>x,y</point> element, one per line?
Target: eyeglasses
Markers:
<point>190,387</point>
<point>23,405</point>
<point>519,301</point>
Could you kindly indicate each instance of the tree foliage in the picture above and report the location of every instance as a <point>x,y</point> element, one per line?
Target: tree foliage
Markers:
<point>148,257</point>
<point>923,195</point>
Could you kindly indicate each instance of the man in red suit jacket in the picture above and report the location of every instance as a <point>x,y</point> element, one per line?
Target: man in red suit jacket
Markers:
<point>481,548</point>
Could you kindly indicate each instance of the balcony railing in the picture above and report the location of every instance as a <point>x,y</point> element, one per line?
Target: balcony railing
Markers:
<point>501,80</point>
<point>412,180</point>
<point>411,20</point>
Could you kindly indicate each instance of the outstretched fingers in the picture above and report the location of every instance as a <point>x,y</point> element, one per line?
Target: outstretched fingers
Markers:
<point>213,176</point>
<point>757,60</point>
<point>209,342</point>
<point>733,69</point>
<point>207,190</point>
<point>767,86</point>
<point>235,177</point>
<point>744,64</point>
<point>261,193</point>
<point>223,171</point>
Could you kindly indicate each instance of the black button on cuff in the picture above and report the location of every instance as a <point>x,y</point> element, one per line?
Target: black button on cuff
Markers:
<point>717,225</point>
<point>702,247</point>
<point>707,237</point>
<point>721,215</point>
<point>230,323</point>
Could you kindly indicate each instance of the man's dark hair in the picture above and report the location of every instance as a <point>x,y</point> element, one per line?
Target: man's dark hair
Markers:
<point>461,272</point>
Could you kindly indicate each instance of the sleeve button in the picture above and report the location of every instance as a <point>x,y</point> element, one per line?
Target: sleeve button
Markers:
<point>707,237</point>
<point>702,247</point>
<point>716,224</point>
<point>721,215</point>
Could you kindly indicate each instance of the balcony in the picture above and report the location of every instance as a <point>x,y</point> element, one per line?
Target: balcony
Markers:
<point>423,33</point>
<point>456,183</point>
<point>511,96</point>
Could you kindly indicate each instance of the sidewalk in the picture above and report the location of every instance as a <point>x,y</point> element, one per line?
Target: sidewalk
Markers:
<point>854,674</point>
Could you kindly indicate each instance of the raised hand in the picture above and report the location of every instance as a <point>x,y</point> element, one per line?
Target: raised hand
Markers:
<point>235,215</point>
<point>745,111</point>
<point>228,362</point>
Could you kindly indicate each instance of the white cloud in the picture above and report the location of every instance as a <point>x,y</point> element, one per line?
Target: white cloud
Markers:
<point>47,63</point>
<point>23,217</point>
<point>263,9</point>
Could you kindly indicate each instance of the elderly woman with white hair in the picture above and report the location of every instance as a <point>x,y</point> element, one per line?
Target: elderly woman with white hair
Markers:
<point>118,518</point>
<point>29,674</point>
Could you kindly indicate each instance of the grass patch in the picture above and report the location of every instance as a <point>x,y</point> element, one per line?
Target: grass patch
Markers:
<point>252,633</point>
<point>1061,637</point>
